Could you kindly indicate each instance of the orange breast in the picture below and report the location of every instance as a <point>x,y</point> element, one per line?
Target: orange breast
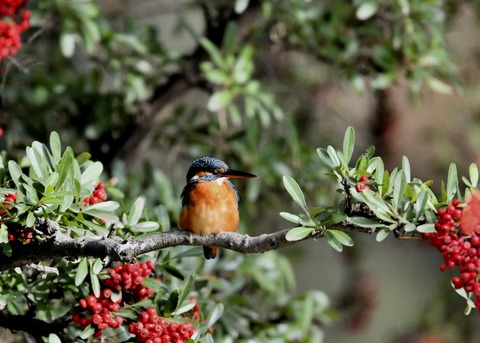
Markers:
<point>212,208</point>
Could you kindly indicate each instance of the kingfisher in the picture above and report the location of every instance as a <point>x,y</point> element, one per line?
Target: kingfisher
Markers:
<point>210,200</point>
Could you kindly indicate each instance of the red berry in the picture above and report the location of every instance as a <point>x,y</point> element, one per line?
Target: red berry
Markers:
<point>91,300</point>
<point>97,319</point>
<point>361,186</point>
<point>151,311</point>
<point>144,317</point>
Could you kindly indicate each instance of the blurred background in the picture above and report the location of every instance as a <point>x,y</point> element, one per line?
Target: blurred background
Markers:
<point>147,86</point>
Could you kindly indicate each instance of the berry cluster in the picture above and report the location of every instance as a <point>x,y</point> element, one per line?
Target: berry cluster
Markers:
<point>13,23</point>
<point>11,7</point>
<point>100,307</point>
<point>127,279</point>
<point>98,195</point>
<point>150,328</point>
<point>458,249</point>
<point>361,185</point>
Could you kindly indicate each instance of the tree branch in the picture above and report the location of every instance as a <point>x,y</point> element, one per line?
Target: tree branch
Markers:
<point>59,245</point>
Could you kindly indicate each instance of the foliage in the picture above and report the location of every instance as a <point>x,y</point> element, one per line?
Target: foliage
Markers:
<point>53,184</point>
<point>392,202</point>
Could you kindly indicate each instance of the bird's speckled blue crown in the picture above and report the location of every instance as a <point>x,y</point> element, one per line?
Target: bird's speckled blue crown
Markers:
<point>205,164</point>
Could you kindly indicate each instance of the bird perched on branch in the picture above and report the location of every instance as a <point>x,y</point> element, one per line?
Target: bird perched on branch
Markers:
<point>209,200</point>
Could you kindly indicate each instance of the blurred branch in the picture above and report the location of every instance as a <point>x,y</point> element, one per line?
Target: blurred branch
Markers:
<point>167,96</point>
<point>59,245</point>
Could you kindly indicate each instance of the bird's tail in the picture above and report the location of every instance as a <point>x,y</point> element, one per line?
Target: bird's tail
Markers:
<point>210,252</point>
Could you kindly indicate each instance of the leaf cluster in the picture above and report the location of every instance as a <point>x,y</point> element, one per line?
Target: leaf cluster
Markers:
<point>394,201</point>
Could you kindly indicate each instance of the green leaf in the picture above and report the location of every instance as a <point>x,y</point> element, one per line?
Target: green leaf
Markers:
<point>97,266</point>
<point>95,283</point>
<point>173,271</point>
<point>426,228</point>
<point>3,233</point>
<point>410,227</point>
<point>67,44</point>
<point>473,172</point>
<point>100,230</point>
<point>156,285</point>
<point>92,173</point>
<point>420,204</point>
<point>295,192</point>
<point>241,6</point>
<point>186,289</point>
<point>348,144</point>
<point>452,181</point>
<point>55,147</point>
<point>82,271</point>
<point>399,188</point>
<point>30,222</point>
<point>333,241</point>
<point>68,199</point>
<point>382,234</point>
<point>65,167</point>
<point>379,176</point>
<point>332,218</point>
<point>53,338</point>
<point>243,68</point>
<point>333,156</point>
<point>290,217</point>
<point>185,307</point>
<point>188,253</point>
<point>365,222</point>
<point>15,172</point>
<point>171,303</point>
<point>298,233</point>
<point>324,156</point>
<point>106,206</point>
<point>82,158</point>
<point>342,237</point>
<point>136,211</point>
<point>214,315</point>
<point>39,164</point>
<point>406,168</point>
<point>103,215</point>
<point>87,332</point>
<point>214,52</point>
<point>376,204</point>
<point>439,86</point>
<point>217,76</point>
<point>146,226</point>
<point>220,100</point>
<point>366,10</point>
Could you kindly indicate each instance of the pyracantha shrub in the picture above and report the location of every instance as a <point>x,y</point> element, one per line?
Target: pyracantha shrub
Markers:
<point>457,237</point>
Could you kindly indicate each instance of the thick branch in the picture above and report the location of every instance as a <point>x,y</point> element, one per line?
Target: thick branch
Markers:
<point>59,245</point>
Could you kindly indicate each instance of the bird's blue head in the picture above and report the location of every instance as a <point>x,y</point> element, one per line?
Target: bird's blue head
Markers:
<point>213,168</point>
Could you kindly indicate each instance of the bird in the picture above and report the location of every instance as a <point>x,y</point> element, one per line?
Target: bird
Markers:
<point>210,200</point>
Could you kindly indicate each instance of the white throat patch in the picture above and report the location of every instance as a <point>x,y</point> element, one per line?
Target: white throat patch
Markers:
<point>220,180</point>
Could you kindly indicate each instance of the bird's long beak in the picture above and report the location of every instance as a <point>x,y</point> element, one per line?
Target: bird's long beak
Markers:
<point>236,174</point>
